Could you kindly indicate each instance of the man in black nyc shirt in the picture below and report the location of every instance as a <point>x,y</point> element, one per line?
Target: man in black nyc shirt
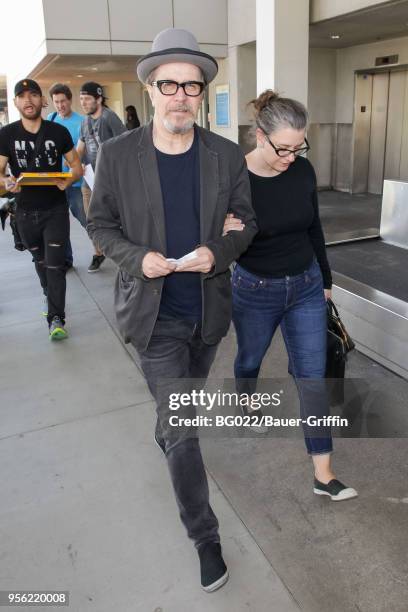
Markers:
<point>34,145</point>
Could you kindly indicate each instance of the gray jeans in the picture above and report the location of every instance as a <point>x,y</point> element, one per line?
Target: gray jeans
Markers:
<point>176,351</point>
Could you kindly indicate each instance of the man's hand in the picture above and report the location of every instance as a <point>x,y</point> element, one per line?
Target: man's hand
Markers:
<point>11,185</point>
<point>327,294</point>
<point>62,184</point>
<point>155,265</point>
<point>231,223</point>
<point>202,263</point>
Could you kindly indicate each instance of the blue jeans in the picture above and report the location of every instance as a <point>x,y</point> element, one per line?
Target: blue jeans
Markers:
<point>297,304</point>
<point>76,205</point>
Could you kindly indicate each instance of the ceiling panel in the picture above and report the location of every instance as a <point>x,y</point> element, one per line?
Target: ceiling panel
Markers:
<point>101,68</point>
<point>380,23</point>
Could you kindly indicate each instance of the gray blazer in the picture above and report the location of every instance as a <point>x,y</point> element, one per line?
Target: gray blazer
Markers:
<point>126,219</point>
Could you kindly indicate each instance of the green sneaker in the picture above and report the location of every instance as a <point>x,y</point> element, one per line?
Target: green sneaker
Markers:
<point>57,330</point>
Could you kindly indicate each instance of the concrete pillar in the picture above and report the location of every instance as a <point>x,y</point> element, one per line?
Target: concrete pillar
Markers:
<point>282,47</point>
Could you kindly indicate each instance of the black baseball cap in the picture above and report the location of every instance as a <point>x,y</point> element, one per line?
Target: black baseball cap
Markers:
<point>27,85</point>
<point>92,89</point>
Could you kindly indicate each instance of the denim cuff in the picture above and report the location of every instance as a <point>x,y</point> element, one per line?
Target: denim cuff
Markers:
<point>322,452</point>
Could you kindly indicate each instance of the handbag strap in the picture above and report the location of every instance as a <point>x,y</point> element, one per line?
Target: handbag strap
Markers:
<point>332,308</point>
<point>339,325</point>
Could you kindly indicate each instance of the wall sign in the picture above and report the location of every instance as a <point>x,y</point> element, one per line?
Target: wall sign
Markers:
<point>222,115</point>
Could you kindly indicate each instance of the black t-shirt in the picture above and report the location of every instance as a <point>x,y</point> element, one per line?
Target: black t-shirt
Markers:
<point>290,233</point>
<point>15,143</point>
<point>180,186</point>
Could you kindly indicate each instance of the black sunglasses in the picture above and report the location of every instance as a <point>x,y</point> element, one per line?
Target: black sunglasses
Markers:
<point>286,152</point>
<point>169,88</point>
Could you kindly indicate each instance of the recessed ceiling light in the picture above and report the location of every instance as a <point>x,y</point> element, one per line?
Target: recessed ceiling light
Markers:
<point>80,76</point>
<point>94,68</point>
<point>335,36</point>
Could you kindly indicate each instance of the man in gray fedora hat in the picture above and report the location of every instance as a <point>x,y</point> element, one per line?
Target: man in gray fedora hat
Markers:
<point>162,192</point>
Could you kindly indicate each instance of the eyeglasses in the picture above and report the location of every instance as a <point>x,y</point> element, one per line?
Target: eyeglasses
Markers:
<point>169,88</point>
<point>286,152</point>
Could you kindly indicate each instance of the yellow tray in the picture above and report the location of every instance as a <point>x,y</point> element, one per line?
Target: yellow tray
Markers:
<point>42,179</point>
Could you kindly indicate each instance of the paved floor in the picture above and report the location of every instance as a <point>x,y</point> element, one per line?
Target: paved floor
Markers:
<point>86,504</point>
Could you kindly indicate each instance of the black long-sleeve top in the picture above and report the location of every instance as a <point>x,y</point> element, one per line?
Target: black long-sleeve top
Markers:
<point>290,233</point>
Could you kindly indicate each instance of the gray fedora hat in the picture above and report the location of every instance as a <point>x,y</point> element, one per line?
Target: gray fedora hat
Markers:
<point>176,45</point>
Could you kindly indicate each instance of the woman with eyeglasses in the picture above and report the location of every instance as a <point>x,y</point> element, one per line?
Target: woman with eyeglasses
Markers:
<point>284,277</point>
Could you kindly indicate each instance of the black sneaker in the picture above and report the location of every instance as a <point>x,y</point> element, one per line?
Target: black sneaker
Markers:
<point>97,261</point>
<point>335,489</point>
<point>214,573</point>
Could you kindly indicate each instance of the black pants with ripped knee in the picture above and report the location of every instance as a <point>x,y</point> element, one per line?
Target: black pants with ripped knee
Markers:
<point>45,233</point>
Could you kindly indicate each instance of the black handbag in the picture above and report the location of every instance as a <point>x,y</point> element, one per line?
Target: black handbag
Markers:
<point>339,343</point>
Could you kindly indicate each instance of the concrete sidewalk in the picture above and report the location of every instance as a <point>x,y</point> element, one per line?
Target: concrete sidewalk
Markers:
<point>86,501</point>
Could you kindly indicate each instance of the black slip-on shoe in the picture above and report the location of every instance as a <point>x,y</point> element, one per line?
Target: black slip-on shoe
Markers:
<point>335,489</point>
<point>97,261</point>
<point>214,573</point>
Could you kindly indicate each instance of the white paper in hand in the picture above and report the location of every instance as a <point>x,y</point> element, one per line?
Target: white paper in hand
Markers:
<point>187,257</point>
<point>89,176</point>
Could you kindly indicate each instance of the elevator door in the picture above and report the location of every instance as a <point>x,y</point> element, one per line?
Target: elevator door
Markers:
<point>380,130</point>
<point>396,104</point>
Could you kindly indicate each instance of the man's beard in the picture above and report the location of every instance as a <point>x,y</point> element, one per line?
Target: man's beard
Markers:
<point>92,110</point>
<point>179,129</point>
<point>32,116</point>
